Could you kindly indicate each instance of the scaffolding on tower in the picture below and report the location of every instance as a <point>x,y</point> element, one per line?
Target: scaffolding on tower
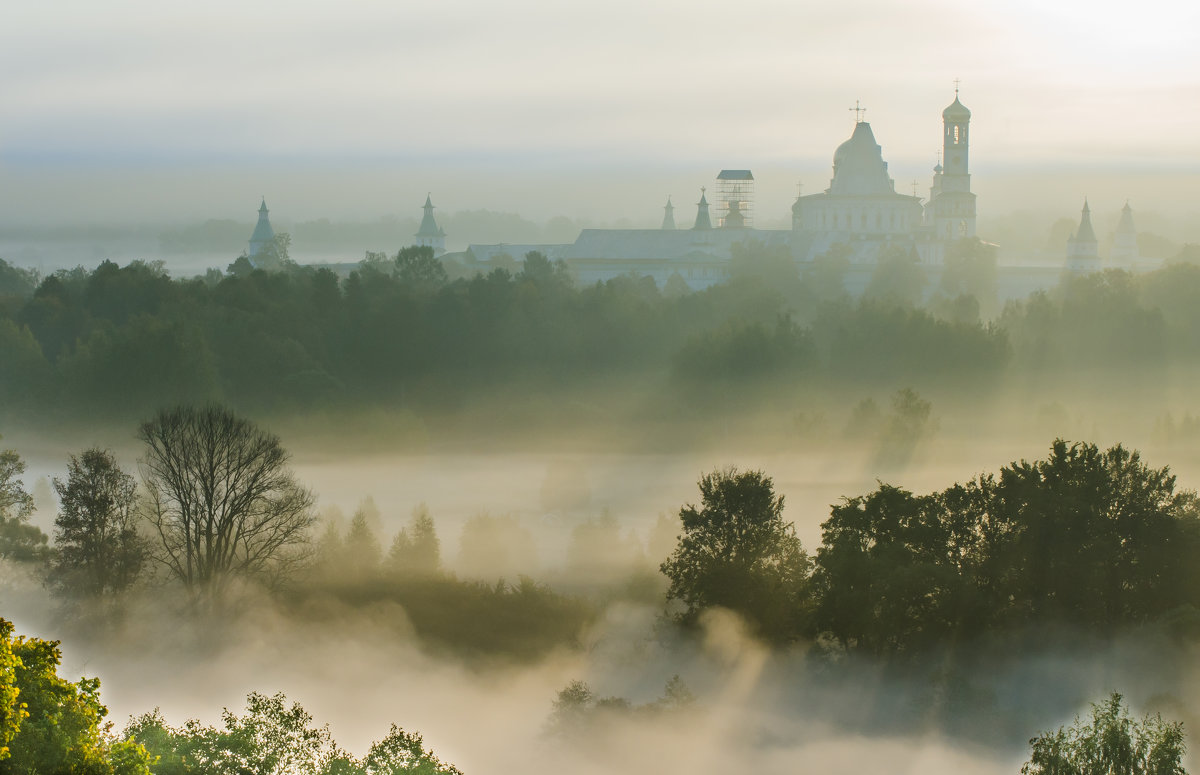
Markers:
<point>735,199</point>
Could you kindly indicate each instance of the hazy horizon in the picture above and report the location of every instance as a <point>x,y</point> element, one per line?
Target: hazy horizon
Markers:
<point>584,111</point>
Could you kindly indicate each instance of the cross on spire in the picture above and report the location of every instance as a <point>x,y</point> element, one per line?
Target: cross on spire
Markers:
<point>858,111</point>
<point>956,82</point>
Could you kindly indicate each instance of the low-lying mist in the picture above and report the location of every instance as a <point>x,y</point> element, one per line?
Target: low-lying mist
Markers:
<point>476,664</point>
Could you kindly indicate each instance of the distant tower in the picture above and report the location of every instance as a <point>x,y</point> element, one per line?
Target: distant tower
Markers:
<point>735,199</point>
<point>263,234</point>
<point>703,221</point>
<point>669,216</point>
<point>429,235</point>
<point>1125,252</point>
<point>951,204</point>
<point>798,211</point>
<point>1083,252</point>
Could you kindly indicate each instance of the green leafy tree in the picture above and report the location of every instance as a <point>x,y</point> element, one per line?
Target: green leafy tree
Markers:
<point>12,711</point>
<point>221,498</point>
<point>19,540</point>
<point>1110,742</point>
<point>274,738</point>
<point>51,725</point>
<point>539,270</point>
<point>1085,538</point>
<point>270,738</point>
<point>403,753</point>
<point>570,709</point>
<point>98,550</point>
<point>15,281</point>
<point>1091,537</point>
<point>26,377</point>
<point>736,551</point>
<point>418,268</point>
<point>888,572</point>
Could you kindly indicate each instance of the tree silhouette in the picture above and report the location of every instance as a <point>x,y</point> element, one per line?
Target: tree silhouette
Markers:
<point>221,498</point>
<point>1109,743</point>
<point>736,551</point>
<point>97,546</point>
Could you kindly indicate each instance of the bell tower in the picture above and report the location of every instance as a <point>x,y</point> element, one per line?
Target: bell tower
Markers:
<point>956,127</point>
<point>952,207</point>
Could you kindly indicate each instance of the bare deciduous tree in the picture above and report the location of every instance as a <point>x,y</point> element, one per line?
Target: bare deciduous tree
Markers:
<point>221,498</point>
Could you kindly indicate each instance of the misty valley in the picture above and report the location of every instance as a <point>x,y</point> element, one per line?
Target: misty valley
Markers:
<point>284,520</point>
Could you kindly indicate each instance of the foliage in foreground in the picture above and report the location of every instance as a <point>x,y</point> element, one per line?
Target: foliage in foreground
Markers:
<point>49,725</point>
<point>274,738</point>
<point>1109,743</point>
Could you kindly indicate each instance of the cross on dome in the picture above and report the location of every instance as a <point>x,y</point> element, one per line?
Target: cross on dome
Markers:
<point>858,111</point>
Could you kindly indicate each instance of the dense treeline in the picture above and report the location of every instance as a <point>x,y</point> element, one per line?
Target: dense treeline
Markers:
<point>116,340</point>
<point>398,331</point>
<point>1084,541</point>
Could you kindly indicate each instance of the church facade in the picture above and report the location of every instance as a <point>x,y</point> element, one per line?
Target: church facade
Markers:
<point>860,210</point>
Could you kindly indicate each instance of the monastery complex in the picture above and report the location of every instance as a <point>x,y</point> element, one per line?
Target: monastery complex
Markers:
<point>860,214</point>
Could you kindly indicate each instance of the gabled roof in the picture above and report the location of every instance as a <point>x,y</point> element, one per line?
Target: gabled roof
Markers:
<point>735,175</point>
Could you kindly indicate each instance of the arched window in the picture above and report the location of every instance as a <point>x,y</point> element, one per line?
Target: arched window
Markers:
<point>956,137</point>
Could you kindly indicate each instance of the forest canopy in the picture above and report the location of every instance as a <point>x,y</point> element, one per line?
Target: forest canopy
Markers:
<point>399,330</point>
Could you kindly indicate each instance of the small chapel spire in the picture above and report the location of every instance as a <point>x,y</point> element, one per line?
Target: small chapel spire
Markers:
<point>668,223</point>
<point>429,234</point>
<point>703,220</point>
<point>1083,254</point>
<point>263,235</point>
<point>1124,253</point>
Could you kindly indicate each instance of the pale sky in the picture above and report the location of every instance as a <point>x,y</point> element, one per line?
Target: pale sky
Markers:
<point>450,88</point>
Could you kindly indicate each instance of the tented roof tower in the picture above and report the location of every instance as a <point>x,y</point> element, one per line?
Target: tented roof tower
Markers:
<point>1083,252</point>
<point>703,220</point>
<point>429,234</point>
<point>1125,253</point>
<point>668,223</point>
<point>263,234</point>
